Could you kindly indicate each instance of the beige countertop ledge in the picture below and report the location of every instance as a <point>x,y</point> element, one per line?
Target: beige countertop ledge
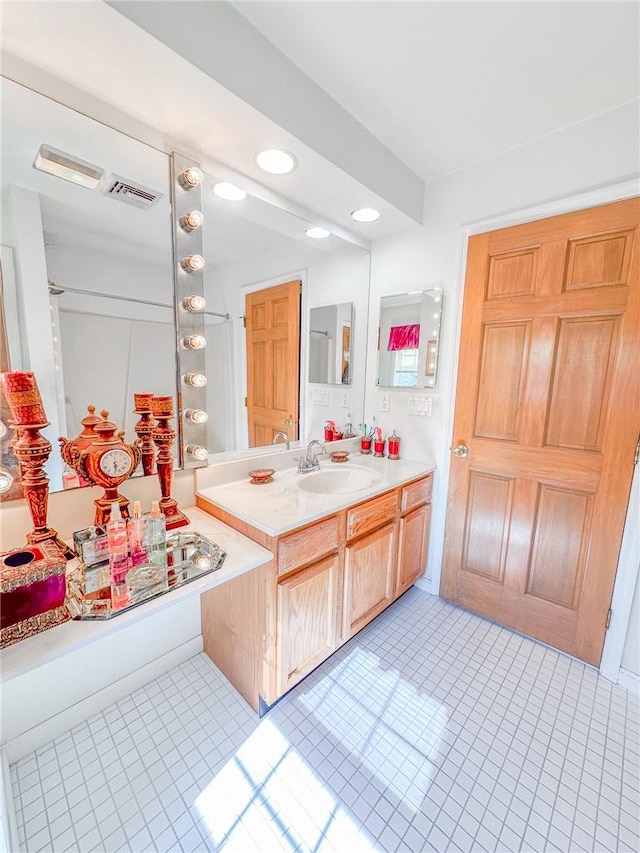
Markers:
<point>243,555</point>
<point>280,506</point>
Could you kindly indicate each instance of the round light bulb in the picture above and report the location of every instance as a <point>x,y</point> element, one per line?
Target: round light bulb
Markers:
<point>194,303</point>
<point>365,214</point>
<point>317,233</point>
<point>196,416</point>
<point>191,221</point>
<point>276,162</point>
<point>198,452</point>
<point>196,380</point>
<point>436,315</point>
<point>190,178</point>
<point>194,342</point>
<point>192,263</point>
<point>229,192</point>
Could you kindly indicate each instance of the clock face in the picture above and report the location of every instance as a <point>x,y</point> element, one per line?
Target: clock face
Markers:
<point>115,463</point>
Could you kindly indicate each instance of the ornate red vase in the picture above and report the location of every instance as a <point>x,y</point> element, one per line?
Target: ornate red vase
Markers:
<point>164,436</point>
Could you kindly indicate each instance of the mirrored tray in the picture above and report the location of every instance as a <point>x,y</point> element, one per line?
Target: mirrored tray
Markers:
<point>90,594</point>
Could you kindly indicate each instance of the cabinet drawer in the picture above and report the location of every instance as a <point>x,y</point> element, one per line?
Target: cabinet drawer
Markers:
<point>373,514</point>
<point>308,545</point>
<point>416,493</point>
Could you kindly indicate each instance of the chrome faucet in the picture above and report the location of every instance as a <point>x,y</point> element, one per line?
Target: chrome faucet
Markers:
<point>310,461</point>
<point>281,434</point>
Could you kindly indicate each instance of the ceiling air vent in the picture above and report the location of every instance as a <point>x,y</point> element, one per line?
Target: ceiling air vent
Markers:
<point>131,193</point>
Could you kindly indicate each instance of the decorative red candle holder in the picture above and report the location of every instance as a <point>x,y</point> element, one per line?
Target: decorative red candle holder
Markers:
<point>144,430</point>
<point>365,444</point>
<point>394,446</point>
<point>32,450</point>
<point>163,437</point>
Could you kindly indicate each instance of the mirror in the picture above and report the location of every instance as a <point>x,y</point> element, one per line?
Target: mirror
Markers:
<point>330,344</point>
<point>253,249</point>
<point>87,273</point>
<point>408,339</point>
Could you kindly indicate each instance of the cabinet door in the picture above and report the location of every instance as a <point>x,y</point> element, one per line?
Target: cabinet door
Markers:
<point>414,535</point>
<point>369,578</point>
<point>307,620</point>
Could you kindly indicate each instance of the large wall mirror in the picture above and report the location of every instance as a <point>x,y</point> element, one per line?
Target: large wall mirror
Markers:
<point>408,339</point>
<point>87,270</point>
<point>88,290</point>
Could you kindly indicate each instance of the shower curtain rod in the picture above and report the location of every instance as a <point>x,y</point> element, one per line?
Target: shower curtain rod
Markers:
<point>54,288</point>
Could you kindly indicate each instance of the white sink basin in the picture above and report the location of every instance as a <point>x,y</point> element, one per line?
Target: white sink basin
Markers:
<point>340,479</point>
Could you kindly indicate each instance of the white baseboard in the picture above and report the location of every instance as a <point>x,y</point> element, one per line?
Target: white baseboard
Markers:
<point>49,729</point>
<point>629,680</point>
<point>8,823</point>
<point>424,583</point>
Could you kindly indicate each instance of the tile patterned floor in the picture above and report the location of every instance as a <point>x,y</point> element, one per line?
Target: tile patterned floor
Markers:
<point>433,729</point>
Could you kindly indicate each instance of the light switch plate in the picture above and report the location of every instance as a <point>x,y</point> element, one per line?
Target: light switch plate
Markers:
<point>385,403</point>
<point>420,405</point>
<point>346,399</point>
<point>321,396</point>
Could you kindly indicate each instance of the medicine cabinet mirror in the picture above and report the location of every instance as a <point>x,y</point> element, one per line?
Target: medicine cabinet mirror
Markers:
<point>408,339</point>
<point>330,331</point>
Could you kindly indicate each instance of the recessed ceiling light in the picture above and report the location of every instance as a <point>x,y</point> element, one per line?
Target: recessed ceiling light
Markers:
<point>317,232</point>
<point>276,162</point>
<point>67,167</point>
<point>366,214</point>
<point>229,192</point>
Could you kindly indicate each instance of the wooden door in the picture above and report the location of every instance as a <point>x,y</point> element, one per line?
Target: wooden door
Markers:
<point>307,620</point>
<point>273,362</point>
<point>548,407</point>
<point>412,547</point>
<point>368,578</point>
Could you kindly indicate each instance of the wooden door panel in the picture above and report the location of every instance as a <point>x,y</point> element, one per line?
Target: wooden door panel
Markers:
<point>551,418</point>
<point>273,362</point>
<point>513,273</point>
<point>600,260</point>
<point>500,390</point>
<point>368,578</point>
<point>586,351</point>
<point>488,519</point>
<point>559,543</point>
<point>307,621</point>
<point>412,547</point>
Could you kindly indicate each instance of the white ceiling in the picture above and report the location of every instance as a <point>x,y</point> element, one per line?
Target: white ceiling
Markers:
<point>442,85</point>
<point>445,85</point>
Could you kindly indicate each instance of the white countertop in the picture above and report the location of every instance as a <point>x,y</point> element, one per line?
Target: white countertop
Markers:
<point>280,506</point>
<point>242,556</point>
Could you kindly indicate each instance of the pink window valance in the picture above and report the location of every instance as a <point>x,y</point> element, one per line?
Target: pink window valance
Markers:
<point>404,337</point>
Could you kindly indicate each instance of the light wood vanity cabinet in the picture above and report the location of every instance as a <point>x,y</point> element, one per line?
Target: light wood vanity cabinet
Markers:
<point>326,582</point>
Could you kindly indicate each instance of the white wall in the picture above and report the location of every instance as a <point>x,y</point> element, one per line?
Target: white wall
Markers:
<point>631,653</point>
<point>592,154</point>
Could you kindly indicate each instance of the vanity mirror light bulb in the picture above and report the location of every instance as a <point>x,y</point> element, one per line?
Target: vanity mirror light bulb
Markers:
<point>196,380</point>
<point>190,178</point>
<point>194,303</point>
<point>194,342</point>
<point>196,416</point>
<point>197,451</point>
<point>191,221</point>
<point>192,263</point>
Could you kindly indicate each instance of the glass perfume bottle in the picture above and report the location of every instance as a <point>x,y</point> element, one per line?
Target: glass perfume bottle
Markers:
<point>118,545</point>
<point>155,536</point>
<point>135,531</point>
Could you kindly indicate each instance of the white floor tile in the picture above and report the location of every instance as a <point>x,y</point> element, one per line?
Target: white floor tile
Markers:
<point>433,729</point>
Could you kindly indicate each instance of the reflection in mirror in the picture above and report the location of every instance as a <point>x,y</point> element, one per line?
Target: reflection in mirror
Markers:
<point>86,272</point>
<point>263,267</point>
<point>330,344</point>
<point>408,339</point>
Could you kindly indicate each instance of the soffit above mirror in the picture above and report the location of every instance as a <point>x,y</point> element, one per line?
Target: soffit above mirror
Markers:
<point>62,38</point>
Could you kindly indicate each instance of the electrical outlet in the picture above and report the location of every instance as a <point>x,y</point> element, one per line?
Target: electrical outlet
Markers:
<point>346,399</point>
<point>385,403</point>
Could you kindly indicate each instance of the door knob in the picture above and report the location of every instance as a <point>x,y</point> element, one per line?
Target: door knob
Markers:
<point>461,450</point>
<point>288,421</point>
